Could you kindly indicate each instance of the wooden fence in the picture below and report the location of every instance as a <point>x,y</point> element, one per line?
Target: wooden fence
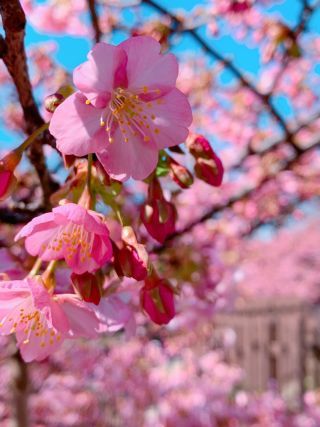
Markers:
<point>277,340</point>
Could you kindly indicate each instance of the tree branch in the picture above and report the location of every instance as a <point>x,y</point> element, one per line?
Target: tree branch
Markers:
<point>94,20</point>
<point>286,165</point>
<point>20,391</point>
<point>14,57</point>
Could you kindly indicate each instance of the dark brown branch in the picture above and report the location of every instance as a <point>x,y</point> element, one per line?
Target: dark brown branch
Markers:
<point>18,215</point>
<point>14,57</point>
<point>20,391</point>
<point>94,20</point>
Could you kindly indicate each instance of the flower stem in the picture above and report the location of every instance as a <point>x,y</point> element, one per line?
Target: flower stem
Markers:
<point>48,275</point>
<point>36,267</point>
<point>117,211</point>
<point>89,174</point>
<point>32,137</point>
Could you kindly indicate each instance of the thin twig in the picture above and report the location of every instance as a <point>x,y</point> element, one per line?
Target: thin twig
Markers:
<point>286,165</point>
<point>94,20</point>
<point>264,98</point>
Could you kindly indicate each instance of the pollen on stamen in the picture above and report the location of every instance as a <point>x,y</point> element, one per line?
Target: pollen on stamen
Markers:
<point>88,102</point>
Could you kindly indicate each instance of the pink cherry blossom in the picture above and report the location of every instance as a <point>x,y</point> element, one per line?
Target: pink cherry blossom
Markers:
<point>126,110</point>
<point>69,232</point>
<point>42,321</point>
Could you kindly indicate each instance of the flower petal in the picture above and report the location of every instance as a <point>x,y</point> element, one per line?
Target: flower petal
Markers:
<point>136,158</point>
<point>82,319</point>
<point>76,126</point>
<point>146,67</point>
<point>104,70</point>
<point>172,117</point>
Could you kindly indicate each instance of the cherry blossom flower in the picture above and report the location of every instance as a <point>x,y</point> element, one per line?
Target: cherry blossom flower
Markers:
<point>69,232</point>
<point>126,110</point>
<point>40,320</point>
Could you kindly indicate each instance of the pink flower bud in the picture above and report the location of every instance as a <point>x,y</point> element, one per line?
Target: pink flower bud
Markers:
<point>180,174</point>
<point>208,166</point>
<point>199,147</point>
<point>53,101</point>
<point>210,171</point>
<point>159,218</point>
<point>158,215</point>
<point>7,179</point>
<point>238,6</point>
<point>132,259</point>
<point>88,286</point>
<point>157,300</point>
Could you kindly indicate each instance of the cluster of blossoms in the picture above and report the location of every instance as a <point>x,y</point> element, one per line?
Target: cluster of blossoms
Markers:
<point>125,112</point>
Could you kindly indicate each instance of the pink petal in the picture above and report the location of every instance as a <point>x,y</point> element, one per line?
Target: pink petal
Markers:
<point>11,300</point>
<point>75,126</point>
<point>173,116</point>
<point>38,347</point>
<point>79,215</point>
<point>104,70</point>
<point>101,250</point>
<point>136,158</point>
<point>82,320</point>
<point>39,223</point>
<point>37,244</point>
<point>80,265</point>
<point>146,66</point>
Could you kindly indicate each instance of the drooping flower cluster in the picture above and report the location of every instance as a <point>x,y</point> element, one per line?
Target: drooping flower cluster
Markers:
<point>124,115</point>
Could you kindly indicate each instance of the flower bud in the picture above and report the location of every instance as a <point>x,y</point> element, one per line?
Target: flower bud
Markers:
<point>157,214</point>
<point>53,101</point>
<point>157,300</point>
<point>7,179</point>
<point>210,171</point>
<point>199,147</point>
<point>180,174</point>
<point>238,6</point>
<point>88,286</point>
<point>159,218</point>
<point>208,166</point>
<point>132,259</point>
